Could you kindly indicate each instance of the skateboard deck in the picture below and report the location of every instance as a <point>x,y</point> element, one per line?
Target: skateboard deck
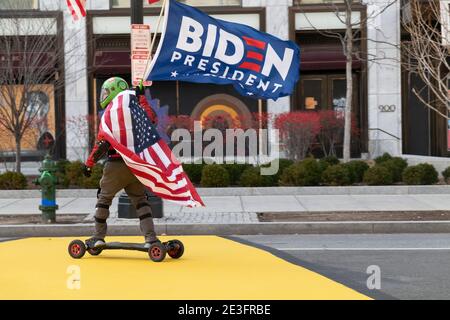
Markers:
<point>123,246</point>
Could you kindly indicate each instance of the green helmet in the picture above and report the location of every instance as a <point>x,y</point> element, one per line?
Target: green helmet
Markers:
<point>110,89</point>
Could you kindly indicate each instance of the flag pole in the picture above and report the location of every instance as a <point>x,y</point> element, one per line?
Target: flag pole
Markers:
<point>260,130</point>
<point>153,38</point>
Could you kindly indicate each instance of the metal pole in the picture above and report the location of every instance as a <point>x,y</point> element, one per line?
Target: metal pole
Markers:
<point>177,87</point>
<point>260,138</point>
<point>125,208</point>
<point>137,11</point>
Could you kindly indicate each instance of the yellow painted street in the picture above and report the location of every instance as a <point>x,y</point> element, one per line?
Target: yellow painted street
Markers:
<point>211,268</point>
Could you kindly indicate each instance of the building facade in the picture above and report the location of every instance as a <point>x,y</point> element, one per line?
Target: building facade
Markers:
<point>98,47</point>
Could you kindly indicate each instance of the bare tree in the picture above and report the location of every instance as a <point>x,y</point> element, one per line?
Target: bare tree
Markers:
<point>32,54</point>
<point>348,38</point>
<point>427,52</point>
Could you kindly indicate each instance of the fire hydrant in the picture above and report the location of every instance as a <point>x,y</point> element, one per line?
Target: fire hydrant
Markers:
<point>48,182</point>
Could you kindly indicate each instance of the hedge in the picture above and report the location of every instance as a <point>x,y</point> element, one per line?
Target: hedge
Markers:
<point>336,175</point>
<point>194,171</point>
<point>304,173</point>
<point>12,181</point>
<point>423,173</point>
<point>356,170</point>
<point>251,177</point>
<point>215,175</point>
<point>378,175</point>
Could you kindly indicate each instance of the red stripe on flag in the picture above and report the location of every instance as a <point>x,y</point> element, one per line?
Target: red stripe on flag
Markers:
<point>122,127</point>
<point>152,1</point>
<point>80,4</point>
<point>250,66</point>
<point>152,171</point>
<point>107,116</point>
<point>156,158</point>
<point>158,184</point>
<point>193,191</point>
<point>72,10</point>
<point>255,43</point>
<point>168,153</point>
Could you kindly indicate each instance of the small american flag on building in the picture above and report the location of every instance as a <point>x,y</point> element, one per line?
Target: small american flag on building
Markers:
<point>127,127</point>
<point>77,8</point>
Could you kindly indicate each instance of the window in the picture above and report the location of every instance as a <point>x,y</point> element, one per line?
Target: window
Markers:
<point>194,3</point>
<point>18,5</point>
<point>41,133</point>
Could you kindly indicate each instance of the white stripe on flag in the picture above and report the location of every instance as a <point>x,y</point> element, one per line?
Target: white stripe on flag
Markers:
<point>175,172</point>
<point>165,160</point>
<point>115,120</point>
<point>152,185</point>
<point>128,124</point>
<point>175,185</point>
<point>148,157</point>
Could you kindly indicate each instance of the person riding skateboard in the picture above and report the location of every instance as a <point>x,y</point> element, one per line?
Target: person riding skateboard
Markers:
<point>116,175</point>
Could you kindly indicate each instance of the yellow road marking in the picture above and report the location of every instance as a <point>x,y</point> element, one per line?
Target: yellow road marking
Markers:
<point>211,268</point>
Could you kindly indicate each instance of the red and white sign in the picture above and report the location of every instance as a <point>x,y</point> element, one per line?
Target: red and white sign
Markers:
<point>140,52</point>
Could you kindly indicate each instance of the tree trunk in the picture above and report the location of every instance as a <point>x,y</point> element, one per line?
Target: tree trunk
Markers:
<point>18,155</point>
<point>349,80</point>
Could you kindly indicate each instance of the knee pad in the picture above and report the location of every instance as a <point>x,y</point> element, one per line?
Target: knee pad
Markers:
<point>102,211</point>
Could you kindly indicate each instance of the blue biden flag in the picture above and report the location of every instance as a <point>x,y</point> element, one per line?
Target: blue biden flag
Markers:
<point>195,47</point>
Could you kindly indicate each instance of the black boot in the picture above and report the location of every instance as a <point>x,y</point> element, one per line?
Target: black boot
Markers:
<point>94,242</point>
<point>148,243</point>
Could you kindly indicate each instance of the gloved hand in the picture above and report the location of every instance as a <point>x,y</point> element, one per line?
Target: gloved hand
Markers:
<point>87,171</point>
<point>140,89</point>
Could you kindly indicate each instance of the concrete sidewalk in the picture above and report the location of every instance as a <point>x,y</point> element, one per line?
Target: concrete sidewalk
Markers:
<point>222,201</point>
<point>236,209</point>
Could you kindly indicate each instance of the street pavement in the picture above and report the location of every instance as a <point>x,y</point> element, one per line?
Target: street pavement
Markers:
<point>380,266</point>
<point>410,266</point>
<point>211,268</point>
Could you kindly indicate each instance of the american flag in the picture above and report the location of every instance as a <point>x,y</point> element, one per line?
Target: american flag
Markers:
<point>77,8</point>
<point>127,127</point>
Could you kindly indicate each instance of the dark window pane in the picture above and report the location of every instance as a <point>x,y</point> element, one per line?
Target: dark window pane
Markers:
<point>338,98</point>
<point>312,94</point>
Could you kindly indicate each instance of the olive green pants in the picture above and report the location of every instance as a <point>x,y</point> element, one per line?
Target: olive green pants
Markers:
<point>117,176</point>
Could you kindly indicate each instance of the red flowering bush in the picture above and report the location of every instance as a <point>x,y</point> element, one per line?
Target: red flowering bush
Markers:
<point>221,122</point>
<point>180,122</point>
<point>254,121</point>
<point>298,131</point>
<point>331,132</point>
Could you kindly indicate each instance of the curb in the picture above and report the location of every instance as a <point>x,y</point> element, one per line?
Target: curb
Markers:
<point>268,228</point>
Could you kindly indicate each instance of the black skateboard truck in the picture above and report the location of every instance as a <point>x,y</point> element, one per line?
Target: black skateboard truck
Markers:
<point>156,252</point>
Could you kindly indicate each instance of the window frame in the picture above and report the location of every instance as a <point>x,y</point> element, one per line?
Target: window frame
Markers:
<point>112,7</point>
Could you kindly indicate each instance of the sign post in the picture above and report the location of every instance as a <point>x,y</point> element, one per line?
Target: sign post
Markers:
<point>140,53</point>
